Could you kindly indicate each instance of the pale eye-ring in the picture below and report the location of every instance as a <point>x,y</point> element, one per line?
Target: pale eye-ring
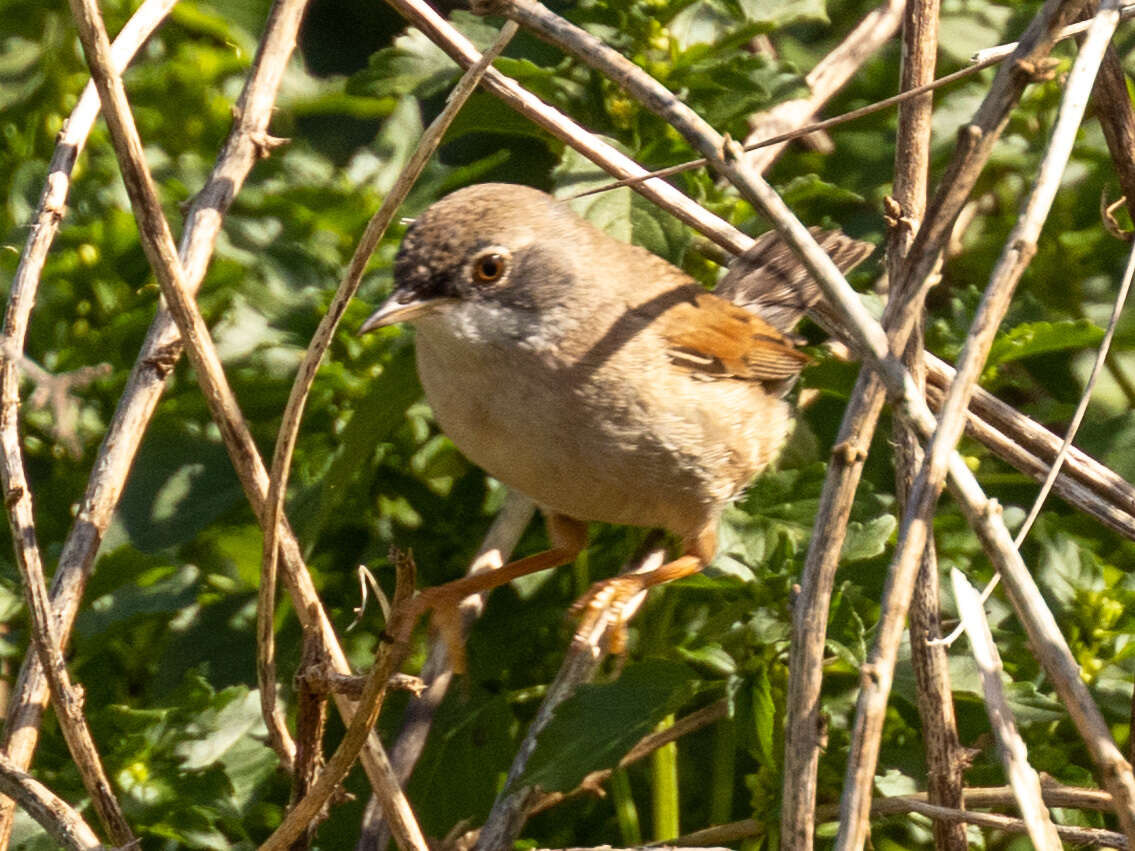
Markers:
<point>490,266</point>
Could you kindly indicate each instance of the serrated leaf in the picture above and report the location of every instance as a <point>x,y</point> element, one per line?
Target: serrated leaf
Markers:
<point>1038,338</point>
<point>595,727</point>
<point>412,65</point>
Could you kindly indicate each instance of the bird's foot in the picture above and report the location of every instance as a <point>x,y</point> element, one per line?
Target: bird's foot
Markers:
<point>443,602</point>
<point>607,607</point>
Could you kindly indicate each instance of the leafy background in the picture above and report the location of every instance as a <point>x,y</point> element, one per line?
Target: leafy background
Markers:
<point>165,646</point>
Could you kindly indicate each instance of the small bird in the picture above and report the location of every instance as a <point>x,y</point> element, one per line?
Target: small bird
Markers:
<point>594,376</point>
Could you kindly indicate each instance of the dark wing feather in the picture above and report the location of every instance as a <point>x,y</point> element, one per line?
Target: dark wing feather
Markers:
<point>770,281</point>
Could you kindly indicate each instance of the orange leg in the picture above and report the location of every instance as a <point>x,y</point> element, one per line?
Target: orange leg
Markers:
<point>607,600</point>
<point>568,537</point>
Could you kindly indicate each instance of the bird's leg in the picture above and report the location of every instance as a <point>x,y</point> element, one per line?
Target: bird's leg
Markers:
<point>568,537</point>
<point>607,599</point>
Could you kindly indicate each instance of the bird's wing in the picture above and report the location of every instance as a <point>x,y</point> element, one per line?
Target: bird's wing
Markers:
<point>717,339</point>
<point>770,280</point>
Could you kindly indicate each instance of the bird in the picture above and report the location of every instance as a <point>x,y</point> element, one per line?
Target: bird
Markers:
<point>595,377</point>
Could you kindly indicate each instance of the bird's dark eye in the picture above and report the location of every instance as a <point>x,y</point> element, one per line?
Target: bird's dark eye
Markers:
<point>489,267</point>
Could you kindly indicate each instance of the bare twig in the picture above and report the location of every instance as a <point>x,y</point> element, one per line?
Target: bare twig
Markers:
<point>580,663</point>
<point>904,804</point>
<point>31,693</point>
<point>1011,747</point>
<point>944,755</point>
<point>917,518</point>
<point>158,245</point>
<point>390,654</point>
<point>437,672</point>
<point>829,76</point>
<point>162,344</point>
<point>54,815</point>
<point>1082,406</point>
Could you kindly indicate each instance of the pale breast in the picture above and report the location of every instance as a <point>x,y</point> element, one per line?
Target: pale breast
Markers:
<point>666,449</point>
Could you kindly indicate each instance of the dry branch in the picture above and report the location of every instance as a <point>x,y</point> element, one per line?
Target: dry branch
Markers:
<point>54,815</point>
<point>162,346</point>
<point>580,664</point>
<point>829,76</point>
<point>31,693</point>
<point>437,672</point>
<point>1011,747</point>
<point>945,758</point>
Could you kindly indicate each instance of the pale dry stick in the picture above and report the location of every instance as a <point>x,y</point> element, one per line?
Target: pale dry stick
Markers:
<point>945,759</point>
<point>915,529</point>
<point>1095,837</point>
<point>389,656</point>
<point>512,805</point>
<point>437,671</point>
<point>1082,496</point>
<point>245,146</point>
<point>66,698</point>
<point>20,731</point>
<point>1046,640</point>
<point>1001,51</point>
<point>273,508</point>
<point>1082,406</point>
<point>1086,836</point>
<point>1030,447</point>
<point>157,241</point>
<point>828,76</point>
<point>975,144</point>
<point>1010,746</point>
<point>45,640</point>
<point>54,815</point>
<point>1055,795</point>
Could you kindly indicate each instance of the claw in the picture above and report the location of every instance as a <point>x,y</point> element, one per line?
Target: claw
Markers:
<point>604,608</point>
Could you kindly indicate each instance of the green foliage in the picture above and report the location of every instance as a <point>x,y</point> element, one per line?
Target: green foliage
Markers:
<point>164,644</point>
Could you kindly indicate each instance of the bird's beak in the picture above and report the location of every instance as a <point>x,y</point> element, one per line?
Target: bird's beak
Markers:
<point>401,307</point>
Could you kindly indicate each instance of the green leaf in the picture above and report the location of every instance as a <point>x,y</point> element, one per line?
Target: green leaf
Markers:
<point>595,727</point>
<point>1038,338</point>
<point>869,539</point>
<point>413,65</point>
<point>177,488</point>
<point>376,415</point>
<point>622,213</point>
